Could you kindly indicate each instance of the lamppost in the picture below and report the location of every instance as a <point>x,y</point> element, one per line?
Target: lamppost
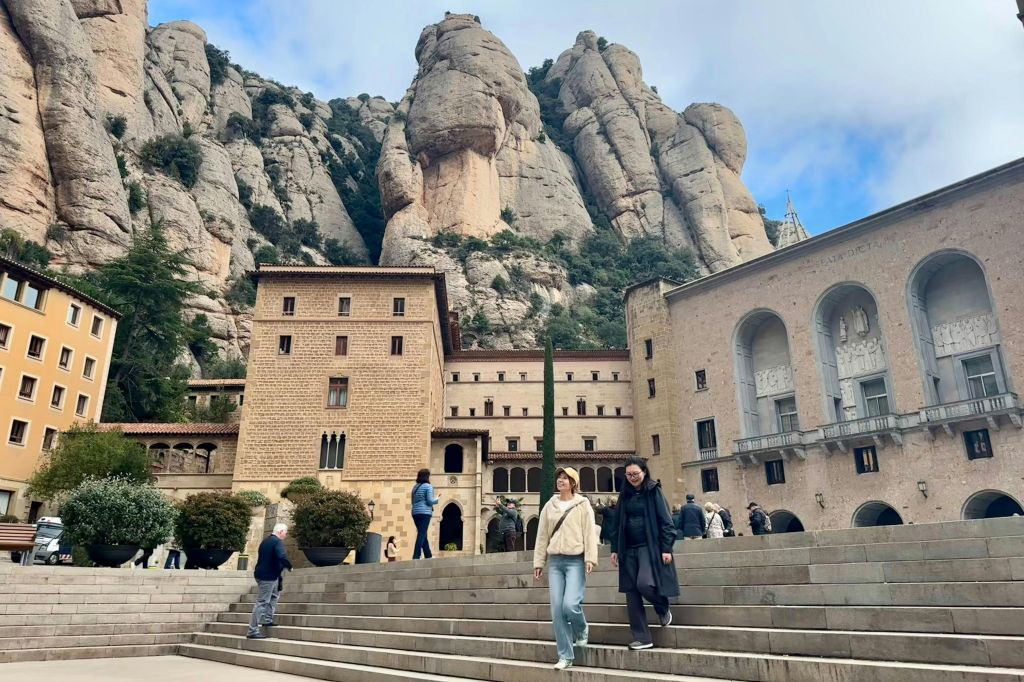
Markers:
<point>820,499</point>
<point>922,485</point>
<point>371,506</point>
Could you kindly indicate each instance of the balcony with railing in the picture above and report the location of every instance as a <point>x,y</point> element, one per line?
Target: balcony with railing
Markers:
<point>770,445</point>
<point>841,434</point>
<point>989,409</point>
<point>708,453</point>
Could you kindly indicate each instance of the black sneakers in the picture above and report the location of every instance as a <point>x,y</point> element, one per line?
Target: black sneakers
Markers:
<point>258,635</point>
<point>665,620</point>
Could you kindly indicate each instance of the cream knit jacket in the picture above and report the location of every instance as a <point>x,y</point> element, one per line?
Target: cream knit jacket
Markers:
<point>578,534</point>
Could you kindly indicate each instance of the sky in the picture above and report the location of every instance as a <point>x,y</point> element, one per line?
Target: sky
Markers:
<point>848,107</point>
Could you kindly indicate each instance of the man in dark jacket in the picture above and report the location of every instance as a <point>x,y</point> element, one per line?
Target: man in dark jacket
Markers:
<point>692,524</point>
<point>609,520</point>
<point>758,519</point>
<point>727,522</point>
<point>508,521</point>
<point>269,566</point>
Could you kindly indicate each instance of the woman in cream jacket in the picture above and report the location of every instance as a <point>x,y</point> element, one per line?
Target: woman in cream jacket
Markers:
<point>570,552</point>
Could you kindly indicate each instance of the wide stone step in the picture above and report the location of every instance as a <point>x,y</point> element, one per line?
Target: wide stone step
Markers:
<point>112,640</point>
<point>963,620</point>
<point>505,660</point>
<point>96,629</point>
<point>66,653</point>
<point>9,610</point>
<point>464,638</point>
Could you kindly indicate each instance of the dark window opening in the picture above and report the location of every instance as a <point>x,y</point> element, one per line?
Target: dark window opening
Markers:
<point>978,444</point>
<point>775,471</point>
<point>709,480</point>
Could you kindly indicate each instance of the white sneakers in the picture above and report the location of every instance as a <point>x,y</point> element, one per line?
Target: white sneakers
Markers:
<point>563,663</point>
<point>584,639</point>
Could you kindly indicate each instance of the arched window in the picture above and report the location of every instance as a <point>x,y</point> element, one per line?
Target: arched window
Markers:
<point>451,526</point>
<point>181,456</point>
<point>619,478</point>
<point>499,480</point>
<point>533,480</point>
<point>588,480</point>
<point>494,541</point>
<point>956,330</point>
<point>204,457</point>
<point>531,533</point>
<point>332,451</point>
<point>764,375</point>
<point>517,480</point>
<point>453,459</point>
<point>875,514</point>
<point>991,504</point>
<point>158,453</point>
<point>604,480</point>
<point>785,522</point>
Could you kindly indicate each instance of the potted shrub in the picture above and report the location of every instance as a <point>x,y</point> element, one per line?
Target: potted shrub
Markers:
<point>329,524</point>
<point>301,486</point>
<point>211,527</point>
<point>254,498</point>
<point>113,517</point>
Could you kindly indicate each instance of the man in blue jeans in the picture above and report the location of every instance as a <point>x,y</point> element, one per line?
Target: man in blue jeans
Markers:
<point>269,566</point>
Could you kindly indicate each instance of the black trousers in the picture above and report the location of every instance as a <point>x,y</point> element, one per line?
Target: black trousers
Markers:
<point>636,563</point>
<point>509,538</point>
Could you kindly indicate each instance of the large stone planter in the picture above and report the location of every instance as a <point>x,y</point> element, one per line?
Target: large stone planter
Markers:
<point>326,556</point>
<point>207,558</point>
<point>111,556</point>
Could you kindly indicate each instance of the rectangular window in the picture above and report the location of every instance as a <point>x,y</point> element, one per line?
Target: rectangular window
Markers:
<point>476,376</point>
<point>36,344</point>
<point>472,412</point>
<point>651,389</point>
<point>89,368</point>
<point>775,471</point>
<point>568,376</point>
<point>27,389</point>
<point>501,376</point>
<point>5,335</point>
<point>49,436</point>
<point>522,376</point>
<point>33,297</point>
<point>526,412</point>
<point>455,377</point>
<point>488,408</point>
<point>455,410</point>
<point>615,376</point>
<point>65,358</point>
<point>513,445</point>
<point>648,348</point>
<point>288,306</point>
<point>581,408</point>
<point>341,345</point>
<point>344,306</point>
<point>700,377</point>
<point>876,400</point>
<point>565,411</point>
<point>588,444</point>
<point>97,326</point>
<point>11,288</point>
<point>786,409</point>
<point>656,445</point>
<point>707,438</point>
<point>19,430</point>
<point>57,399</point>
<point>600,410</point>
<point>866,459</point>
<point>398,307</point>
<point>284,345</point>
<point>709,480</point>
<point>507,410</point>
<point>397,345</point>
<point>74,314</point>
<point>337,392</point>
<point>81,405</point>
<point>539,443</point>
<point>978,444</point>
<point>618,411</point>
<point>981,376</point>
<point>595,376</point>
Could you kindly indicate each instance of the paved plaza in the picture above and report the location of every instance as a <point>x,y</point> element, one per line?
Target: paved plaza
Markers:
<point>149,668</point>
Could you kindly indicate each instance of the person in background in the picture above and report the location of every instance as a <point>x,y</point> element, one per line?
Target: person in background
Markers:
<point>173,555</point>
<point>391,549</point>
<point>609,521</point>
<point>270,566</point>
<point>507,524</point>
<point>716,529</point>
<point>692,524</point>
<point>642,551</point>
<point>567,544</point>
<point>728,530</point>
<point>147,553</point>
<point>677,520</point>
<point>423,502</point>
<point>758,519</point>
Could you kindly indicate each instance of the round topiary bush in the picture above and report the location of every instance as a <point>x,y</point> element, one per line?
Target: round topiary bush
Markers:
<point>212,521</point>
<point>253,498</point>
<point>330,518</point>
<point>116,511</point>
<point>301,486</point>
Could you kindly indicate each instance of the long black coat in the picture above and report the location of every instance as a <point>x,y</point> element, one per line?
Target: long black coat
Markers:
<point>661,534</point>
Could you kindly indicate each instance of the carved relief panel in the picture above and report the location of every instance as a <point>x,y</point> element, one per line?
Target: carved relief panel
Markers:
<point>773,380</point>
<point>965,335</point>
<point>860,357</point>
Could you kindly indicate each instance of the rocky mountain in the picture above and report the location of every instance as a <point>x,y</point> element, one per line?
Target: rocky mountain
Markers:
<point>504,179</point>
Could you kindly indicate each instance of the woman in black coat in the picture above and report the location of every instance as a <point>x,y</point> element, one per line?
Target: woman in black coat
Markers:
<point>642,551</point>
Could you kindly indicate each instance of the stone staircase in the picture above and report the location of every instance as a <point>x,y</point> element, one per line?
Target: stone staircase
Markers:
<point>928,603</point>
<point>62,612</point>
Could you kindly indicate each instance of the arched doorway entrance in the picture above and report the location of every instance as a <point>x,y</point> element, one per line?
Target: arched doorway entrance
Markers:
<point>785,522</point>
<point>492,542</point>
<point>990,504</point>
<point>531,533</point>
<point>876,514</point>
<point>451,526</point>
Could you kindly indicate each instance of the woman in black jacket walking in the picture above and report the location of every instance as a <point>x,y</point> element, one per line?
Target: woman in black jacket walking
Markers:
<point>642,551</point>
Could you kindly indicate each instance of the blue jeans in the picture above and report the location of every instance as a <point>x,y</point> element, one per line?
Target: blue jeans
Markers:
<point>567,578</point>
<point>422,522</point>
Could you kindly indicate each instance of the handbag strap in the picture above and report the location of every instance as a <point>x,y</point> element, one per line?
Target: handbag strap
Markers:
<point>562,519</point>
<point>414,491</point>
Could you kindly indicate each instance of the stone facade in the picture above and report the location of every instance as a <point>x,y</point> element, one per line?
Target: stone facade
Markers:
<point>871,368</point>
<point>53,372</point>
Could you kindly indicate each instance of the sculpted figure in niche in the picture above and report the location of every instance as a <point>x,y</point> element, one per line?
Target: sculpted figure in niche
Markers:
<point>860,321</point>
<point>842,329</point>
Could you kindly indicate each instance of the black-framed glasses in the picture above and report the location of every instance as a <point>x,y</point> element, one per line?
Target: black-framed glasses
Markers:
<point>634,474</point>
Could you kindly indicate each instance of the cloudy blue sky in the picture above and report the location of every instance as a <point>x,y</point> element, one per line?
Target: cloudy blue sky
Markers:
<point>851,107</point>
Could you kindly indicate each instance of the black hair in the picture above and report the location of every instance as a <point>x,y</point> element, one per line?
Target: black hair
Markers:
<point>642,463</point>
<point>391,539</point>
<point>423,476</point>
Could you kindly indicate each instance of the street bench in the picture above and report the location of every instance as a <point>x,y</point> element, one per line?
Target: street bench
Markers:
<point>18,537</point>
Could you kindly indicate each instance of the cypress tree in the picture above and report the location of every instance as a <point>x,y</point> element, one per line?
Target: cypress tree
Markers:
<point>547,486</point>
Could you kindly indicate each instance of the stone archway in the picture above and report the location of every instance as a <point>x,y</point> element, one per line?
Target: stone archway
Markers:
<point>876,513</point>
<point>784,521</point>
<point>451,527</point>
<point>991,504</point>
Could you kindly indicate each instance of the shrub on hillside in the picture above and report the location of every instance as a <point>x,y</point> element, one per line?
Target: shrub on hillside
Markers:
<point>331,518</point>
<point>117,511</point>
<point>212,521</point>
<point>176,156</point>
<point>117,125</point>
<point>268,222</point>
<point>136,197</point>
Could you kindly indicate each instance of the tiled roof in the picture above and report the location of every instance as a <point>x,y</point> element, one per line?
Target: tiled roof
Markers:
<point>18,268</point>
<point>567,455</point>
<point>459,432</point>
<point>211,383</point>
<point>196,429</point>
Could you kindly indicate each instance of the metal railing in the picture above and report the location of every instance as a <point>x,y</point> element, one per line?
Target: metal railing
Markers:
<point>970,408</point>
<point>860,427</point>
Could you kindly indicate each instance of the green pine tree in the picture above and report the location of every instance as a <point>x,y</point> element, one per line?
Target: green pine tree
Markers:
<point>547,482</point>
